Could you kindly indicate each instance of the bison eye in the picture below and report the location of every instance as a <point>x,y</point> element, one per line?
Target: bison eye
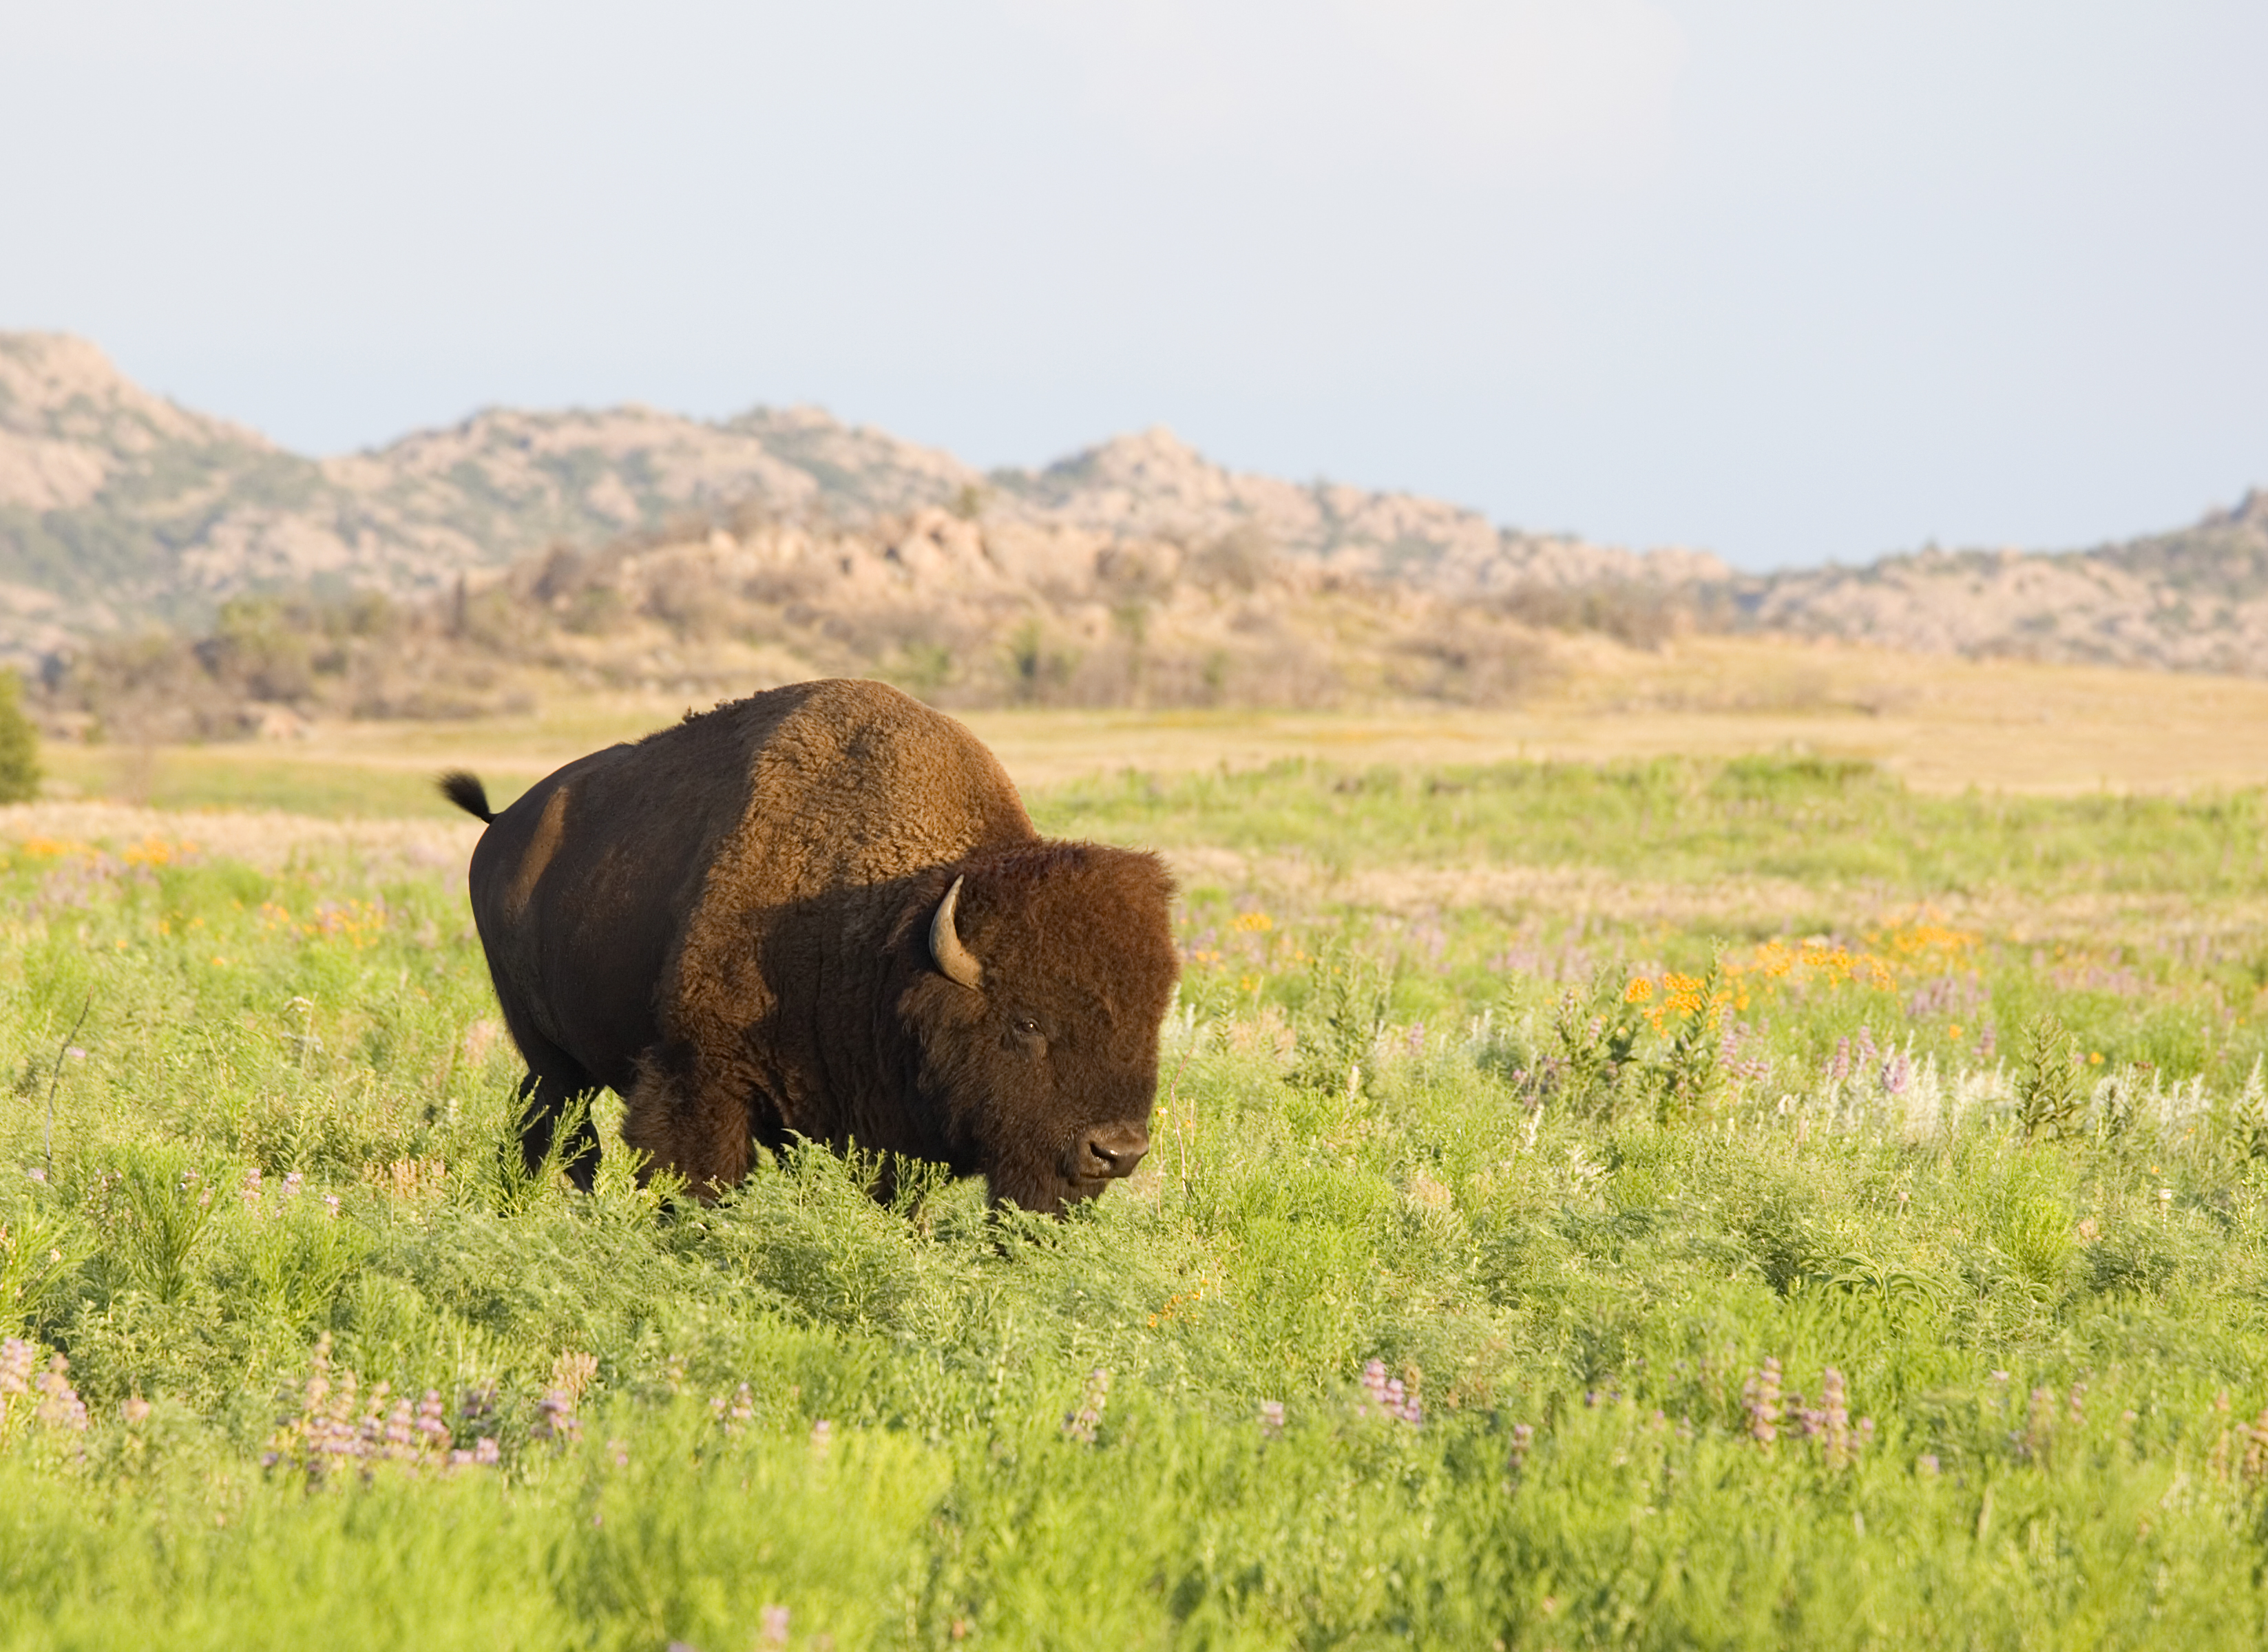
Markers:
<point>1027,1033</point>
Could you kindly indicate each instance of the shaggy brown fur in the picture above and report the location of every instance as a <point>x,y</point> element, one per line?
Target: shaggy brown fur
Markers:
<point>729,923</point>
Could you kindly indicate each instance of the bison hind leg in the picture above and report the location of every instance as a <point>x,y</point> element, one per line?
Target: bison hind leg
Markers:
<point>555,1128</point>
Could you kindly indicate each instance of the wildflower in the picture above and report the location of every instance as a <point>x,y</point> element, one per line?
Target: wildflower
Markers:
<point>1835,1418</point>
<point>574,1373</point>
<point>1390,1395</point>
<point>400,1436</point>
<point>1985,1044</point>
<point>1864,1049</point>
<point>294,1184</point>
<point>741,1408</point>
<point>1524,1439</point>
<point>774,1632</point>
<point>1926,1464</point>
<point>1272,1419</point>
<point>134,1411</point>
<point>1897,1073</point>
<point>1839,1069</point>
<point>16,1357</point>
<point>251,1189</point>
<point>1640,991</point>
<point>432,1432</point>
<point>1083,1424</point>
<point>822,1436</point>
<point>1760,1397</point>
<point>555,1418</point>
<point>331,1203</point>
<point>2094,1058</point>
<point>61,1406</point>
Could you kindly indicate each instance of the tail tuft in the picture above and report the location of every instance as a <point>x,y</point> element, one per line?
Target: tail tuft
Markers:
<point>467,792</point>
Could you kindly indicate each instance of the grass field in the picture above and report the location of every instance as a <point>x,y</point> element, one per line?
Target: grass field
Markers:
<point>1673,1201</point>
<point>1938,725</point>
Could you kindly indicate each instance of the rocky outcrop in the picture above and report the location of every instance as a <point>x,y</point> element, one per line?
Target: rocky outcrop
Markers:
<point>2193,600</point>
<point>118,508</point>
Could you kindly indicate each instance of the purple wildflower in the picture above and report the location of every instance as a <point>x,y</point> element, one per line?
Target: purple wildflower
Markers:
<point>1839,1069</point>
<point>16,1355</point>
<point>1390,1395</point>
<point>1374,1382</point>
<point>555,1418</point>
<point>432,1432</point>
<point>1083,1424</point>
<point>1272,1419</point>
<point>774,1632</point>
<point>60,1406</point>
<point>1523,1438</point>
<point>1835,1418</point>
<point>1760,1397</point>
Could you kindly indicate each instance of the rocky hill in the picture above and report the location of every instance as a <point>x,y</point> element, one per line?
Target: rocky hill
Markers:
<point>2195,599</point>
<point>118,508</point>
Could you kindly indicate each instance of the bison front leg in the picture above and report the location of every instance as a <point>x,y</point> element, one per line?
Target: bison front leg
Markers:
<point>681,1126</point>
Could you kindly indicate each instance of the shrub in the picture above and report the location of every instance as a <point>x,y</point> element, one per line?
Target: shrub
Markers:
<point>19,744</point>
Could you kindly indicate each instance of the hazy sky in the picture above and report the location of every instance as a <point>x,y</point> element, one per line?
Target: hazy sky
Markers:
<point>1789,281</point>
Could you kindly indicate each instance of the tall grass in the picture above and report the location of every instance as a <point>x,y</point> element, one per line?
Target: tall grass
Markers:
<point>1742,1290</point>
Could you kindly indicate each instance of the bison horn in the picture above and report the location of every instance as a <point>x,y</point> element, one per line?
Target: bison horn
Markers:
<point>957,960</point>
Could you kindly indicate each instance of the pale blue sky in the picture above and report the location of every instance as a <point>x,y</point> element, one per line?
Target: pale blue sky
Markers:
<point>1788,281</point>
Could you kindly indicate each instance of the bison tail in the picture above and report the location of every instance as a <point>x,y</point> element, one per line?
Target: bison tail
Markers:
<point>467,792</point>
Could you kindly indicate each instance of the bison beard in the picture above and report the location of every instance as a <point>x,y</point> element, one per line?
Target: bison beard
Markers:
<point>823,912</point>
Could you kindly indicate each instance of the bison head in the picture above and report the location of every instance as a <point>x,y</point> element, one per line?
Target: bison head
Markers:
<point>1034,987</point>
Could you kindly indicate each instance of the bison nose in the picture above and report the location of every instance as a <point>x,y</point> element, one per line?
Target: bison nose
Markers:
<point>1113,1150</point>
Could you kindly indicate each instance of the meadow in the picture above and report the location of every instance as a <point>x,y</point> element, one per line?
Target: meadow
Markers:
<point>1671,1200</point>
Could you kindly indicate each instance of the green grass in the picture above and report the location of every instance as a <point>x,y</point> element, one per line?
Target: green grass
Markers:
<point>1569,1187</point>
<point>190,779</point>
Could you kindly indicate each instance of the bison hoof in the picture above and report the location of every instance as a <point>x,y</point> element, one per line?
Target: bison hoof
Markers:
<point>1114,1150</point>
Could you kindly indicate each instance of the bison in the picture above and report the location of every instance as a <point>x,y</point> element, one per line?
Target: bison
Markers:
<point>823,912</point>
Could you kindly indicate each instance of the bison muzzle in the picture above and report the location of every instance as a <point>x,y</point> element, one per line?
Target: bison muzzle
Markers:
<point>823,912</point>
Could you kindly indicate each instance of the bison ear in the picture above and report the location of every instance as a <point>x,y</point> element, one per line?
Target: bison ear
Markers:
<point>957,960</point>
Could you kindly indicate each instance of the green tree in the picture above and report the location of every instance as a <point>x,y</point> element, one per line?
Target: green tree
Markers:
<point>19,743</point>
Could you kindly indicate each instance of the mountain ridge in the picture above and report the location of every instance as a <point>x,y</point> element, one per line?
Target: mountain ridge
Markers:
<point>121,510</point>
<point>119,507</point>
